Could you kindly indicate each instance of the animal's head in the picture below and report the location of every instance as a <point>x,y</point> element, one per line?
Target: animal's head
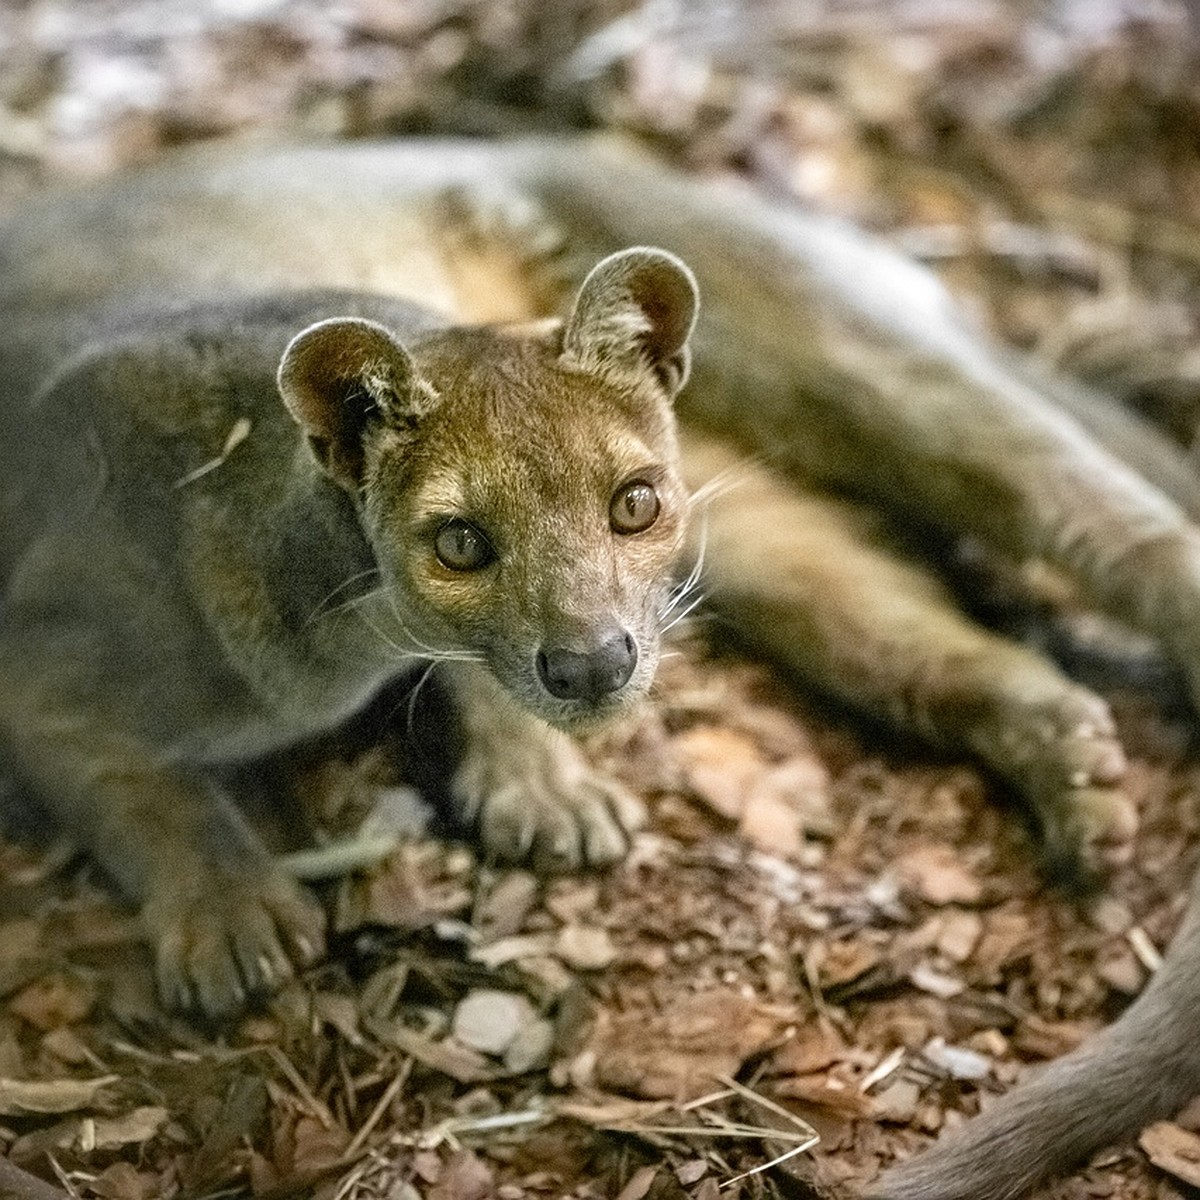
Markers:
<point>521,490</point>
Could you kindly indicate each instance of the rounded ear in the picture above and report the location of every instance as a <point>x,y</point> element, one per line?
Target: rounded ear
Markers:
<point>339,376</point>
<point>635,311</point>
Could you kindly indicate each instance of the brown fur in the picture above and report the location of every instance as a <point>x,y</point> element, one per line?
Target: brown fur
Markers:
<point>836,394</point>
<point>161,617</point>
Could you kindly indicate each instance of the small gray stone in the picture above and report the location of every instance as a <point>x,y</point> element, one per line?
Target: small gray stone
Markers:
<point>585,947</point>
<point>490,1021</point>
<point>957,1061</point>
<point>530,1049</point>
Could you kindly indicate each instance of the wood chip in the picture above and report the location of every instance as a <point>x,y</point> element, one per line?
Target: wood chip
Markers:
<point>811,1047</point>
<point>1174,1150</point>
<point>720,766</point>
<point>1121,969</point>
<point>530,1049</point>
<point>959,934</point>
<point>19,1097</point>
<point>938,875</point>
<point>512,949</point>
<point>957,1061</point>
<point>678,1051</point>
<point>502,911</point>
<point>935,982</point>
<point>897,1103</point>
<point>770,822</point>
<point>586,948</point>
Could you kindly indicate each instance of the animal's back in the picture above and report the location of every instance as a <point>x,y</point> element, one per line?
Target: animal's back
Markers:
<point>503,231</point>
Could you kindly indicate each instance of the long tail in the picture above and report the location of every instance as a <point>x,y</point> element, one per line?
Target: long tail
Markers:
<point>1142,1068</point>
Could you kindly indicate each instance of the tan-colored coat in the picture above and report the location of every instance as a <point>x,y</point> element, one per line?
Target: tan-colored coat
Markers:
<point>159,617</point>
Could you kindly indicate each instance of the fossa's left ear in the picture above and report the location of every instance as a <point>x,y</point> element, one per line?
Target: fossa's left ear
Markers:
<point>634,312</point>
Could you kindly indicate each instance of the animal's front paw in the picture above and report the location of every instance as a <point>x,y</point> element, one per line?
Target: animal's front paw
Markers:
<point>223,937</point>
<point>541,802</point>
<point>1074,765</point>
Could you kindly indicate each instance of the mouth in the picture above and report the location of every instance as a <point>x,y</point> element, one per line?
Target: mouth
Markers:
<point>580,717</point>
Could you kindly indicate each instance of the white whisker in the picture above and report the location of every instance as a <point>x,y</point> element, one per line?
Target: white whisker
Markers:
<point>412,696</point>
<point>417,648</point>
<point>699,599</point>
<point>681,591</point>
<point>320,610</point>
<point>720,483</point>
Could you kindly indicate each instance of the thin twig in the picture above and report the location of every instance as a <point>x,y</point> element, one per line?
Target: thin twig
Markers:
<point>315,1106</point>
<point>389,1094</point>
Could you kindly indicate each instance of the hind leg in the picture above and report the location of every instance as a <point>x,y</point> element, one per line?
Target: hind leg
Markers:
<point>812,582</point>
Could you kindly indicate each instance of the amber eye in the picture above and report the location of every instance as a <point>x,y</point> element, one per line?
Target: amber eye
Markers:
<point>634,508</point>
<point>461,547</point>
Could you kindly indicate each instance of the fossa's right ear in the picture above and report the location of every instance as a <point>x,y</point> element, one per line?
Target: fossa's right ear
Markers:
<point>635,311</point>
<point>337,378</point>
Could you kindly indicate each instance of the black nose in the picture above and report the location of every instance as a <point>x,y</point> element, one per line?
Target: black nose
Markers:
<point>570,675</point>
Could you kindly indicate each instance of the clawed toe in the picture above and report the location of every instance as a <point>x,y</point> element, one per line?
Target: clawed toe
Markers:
<point>556,819</point>
<point>231,941</point>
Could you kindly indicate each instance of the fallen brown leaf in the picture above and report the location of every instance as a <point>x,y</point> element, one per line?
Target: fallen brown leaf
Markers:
<point>1174,1150</point>
<point>677,1052</point>
<point>465,1176</point>
<point>18,1096</point>
<point>134,1128</point>
<point>316,1145</point>
<point>938,875</point>
<point>640,1183</point>
<point>720,766</point>
<point>122,1181</point>
<point>448,1057</point>
<point>54,1000</point>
